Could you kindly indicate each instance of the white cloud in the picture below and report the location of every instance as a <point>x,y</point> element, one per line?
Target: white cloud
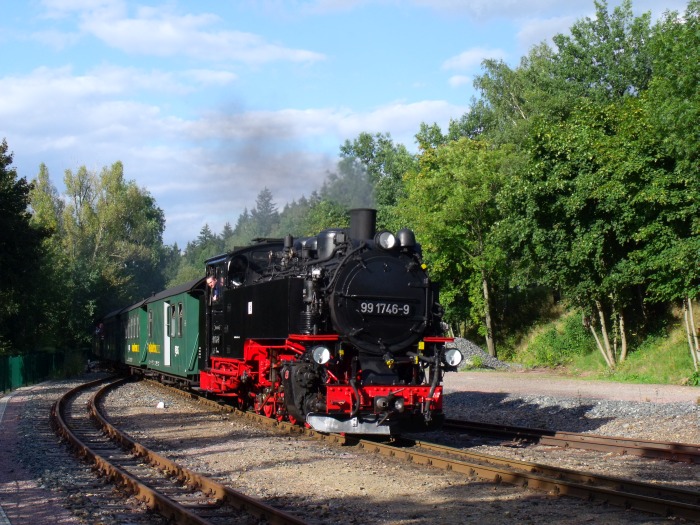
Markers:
<point>162,32</point>
<point>210,77</point>
<point>535,31</point>
<point>459,80</point>
<point>94,119</point>
<point>158,32</point>
<point>472,58</point>
<point>62,8</point>
<point>506,9</point>
<point>57,40</point>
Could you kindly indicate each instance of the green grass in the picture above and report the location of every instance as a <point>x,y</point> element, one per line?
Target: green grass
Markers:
<point>565,346</point>
<point>658,360</point>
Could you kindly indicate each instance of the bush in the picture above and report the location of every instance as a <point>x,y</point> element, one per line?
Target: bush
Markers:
<point>694,380</point>
<point>557,345</point>
<point>473,363</point>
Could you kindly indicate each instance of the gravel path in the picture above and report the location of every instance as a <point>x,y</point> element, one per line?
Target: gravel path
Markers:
<point>343,485</point>
<point>539,400</point>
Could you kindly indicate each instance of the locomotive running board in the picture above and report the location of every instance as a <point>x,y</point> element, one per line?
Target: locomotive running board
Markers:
<point>331,425</point>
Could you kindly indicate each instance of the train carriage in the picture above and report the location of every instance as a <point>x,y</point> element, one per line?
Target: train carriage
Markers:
<point>108,340</point>
<point>172,332</point>
<point>132,323</point>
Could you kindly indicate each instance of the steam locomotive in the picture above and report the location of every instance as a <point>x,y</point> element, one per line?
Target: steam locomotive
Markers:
<point>340,332</point>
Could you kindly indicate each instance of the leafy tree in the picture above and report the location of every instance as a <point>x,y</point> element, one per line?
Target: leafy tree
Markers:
<point>326,214</point>
<point>172,259</point>
<point>576,213</point>
<point>604,58</point>
<point>452,205</point>
<point>607,57</point>
<point>226,234</point>
<point>244,231</point>
<point>55,300</point>
<point>566,111</point>
<point>206,236</point>
<point>671,117</point>
<point>19,251</point>
<point>113,240</point>
<point>293,218</point>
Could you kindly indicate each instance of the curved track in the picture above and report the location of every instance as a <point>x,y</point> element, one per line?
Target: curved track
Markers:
<point>178,494</point>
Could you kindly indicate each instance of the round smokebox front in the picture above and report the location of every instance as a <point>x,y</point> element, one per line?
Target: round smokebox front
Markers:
<point>379,304</point>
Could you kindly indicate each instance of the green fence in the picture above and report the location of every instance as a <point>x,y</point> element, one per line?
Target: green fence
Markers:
<point>23,370</point>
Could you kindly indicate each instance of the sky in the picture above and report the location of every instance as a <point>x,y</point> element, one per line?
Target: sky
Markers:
<point>207,103</point>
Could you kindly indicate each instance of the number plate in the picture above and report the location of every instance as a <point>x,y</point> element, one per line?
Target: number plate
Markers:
<point>384,308</point>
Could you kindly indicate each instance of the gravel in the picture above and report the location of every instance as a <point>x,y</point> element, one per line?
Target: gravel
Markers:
<point>475,356</point>
<point>548,401</point>
<point>327,484</point>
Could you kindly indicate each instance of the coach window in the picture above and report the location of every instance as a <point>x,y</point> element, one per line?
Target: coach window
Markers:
<point>173,321</point>
<point>168,322</point>
<point>179,319</point>
<point>150,324</point>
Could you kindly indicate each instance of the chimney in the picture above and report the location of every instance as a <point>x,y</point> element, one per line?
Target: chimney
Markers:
<point>363,223</point>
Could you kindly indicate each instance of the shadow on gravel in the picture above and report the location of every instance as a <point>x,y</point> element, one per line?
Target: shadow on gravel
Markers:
<point>463,502</point>
<point>497,408</point>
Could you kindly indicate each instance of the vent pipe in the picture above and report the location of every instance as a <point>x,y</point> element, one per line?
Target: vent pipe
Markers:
<point>363,223</point>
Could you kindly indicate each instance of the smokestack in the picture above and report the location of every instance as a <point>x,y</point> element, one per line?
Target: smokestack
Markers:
<point>363,223</point>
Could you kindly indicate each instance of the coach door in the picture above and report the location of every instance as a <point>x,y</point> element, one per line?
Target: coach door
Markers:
<point>167,322</point>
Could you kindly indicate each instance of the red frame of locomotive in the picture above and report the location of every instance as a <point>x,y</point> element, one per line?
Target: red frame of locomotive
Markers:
<point>262,361</point>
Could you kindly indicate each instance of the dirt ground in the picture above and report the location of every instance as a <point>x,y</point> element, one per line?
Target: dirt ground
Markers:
<point>547,383</point>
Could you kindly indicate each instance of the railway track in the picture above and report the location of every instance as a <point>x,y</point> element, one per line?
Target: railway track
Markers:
<point>629,494</point>
<point>178,494</point>
<point>664,501</point>
<point>649,449</point>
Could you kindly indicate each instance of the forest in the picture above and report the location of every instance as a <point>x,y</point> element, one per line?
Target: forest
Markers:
<point>571,188</point>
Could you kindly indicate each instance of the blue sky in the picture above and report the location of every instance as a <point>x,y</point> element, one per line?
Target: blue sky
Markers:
<point>206,103</point>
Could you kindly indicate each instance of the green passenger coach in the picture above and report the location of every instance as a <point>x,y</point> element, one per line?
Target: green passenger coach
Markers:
<point>159,335</point>
<point>170,331</point>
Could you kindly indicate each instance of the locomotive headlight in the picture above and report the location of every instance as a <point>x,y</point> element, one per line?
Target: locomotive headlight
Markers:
<point>453,357</point>
<point>321,355</point>
<point>399,404</point>
<point>386,240</point>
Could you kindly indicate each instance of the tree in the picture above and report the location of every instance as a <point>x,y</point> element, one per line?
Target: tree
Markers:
<point>19,246</point>
<point>56,298</point>
<point>671,114</point>
<point>567,212</point>
<point>325,214</point>
<point>264,216</point>
<point>113,240</point>
<point>293,218</point>
<point>606,58</point>
<point>451,202</point>
<point>576,214</point>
